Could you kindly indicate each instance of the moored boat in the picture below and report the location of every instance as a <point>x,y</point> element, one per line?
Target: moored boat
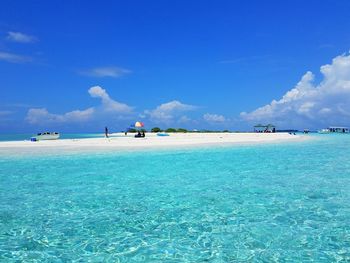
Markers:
<point>335,129</point>
<point>324,131</point>
<point>45,136</point>
<point>162,134</point>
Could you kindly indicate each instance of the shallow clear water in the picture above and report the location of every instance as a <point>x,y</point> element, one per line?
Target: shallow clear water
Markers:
<point>263,203</point>
<point>27,136</point>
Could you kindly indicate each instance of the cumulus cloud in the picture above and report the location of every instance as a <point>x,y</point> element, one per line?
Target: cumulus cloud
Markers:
<point>14,58</point>
<point>214,118</point>
<point>113,72</point>
<point>309,104</point>
<point>109,104</point>
<point>38,116</point>
<point>20,37</point>
<point>166,112</point>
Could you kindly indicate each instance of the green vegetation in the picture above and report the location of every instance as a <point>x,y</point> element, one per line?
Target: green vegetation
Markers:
<point>183,130</point>
<point>170,130</point>
<point>156,129</point>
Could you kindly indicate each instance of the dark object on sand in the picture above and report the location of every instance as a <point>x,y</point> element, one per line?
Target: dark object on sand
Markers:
<point>140,134</point>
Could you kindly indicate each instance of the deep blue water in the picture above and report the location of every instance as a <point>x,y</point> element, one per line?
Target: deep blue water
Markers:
<point>287,202</point>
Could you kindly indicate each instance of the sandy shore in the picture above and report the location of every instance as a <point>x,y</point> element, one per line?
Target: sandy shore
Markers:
<point>120,141</point>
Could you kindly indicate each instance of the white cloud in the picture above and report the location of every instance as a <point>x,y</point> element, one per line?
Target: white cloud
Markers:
<point>109,104</point>
<point>214,118</point>
<point>38,116</point>
<point>113,72</point>
<point>14,58</point>
<point>309,104</point>
<point>166,112</point>
<point>20,37</point>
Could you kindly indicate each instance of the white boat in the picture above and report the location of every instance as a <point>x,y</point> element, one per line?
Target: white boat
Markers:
<point>323,131</point>
<point>45,136</point>
<point>335,129</point>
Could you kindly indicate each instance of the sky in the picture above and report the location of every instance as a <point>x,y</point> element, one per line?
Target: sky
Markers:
<point>78,66</point>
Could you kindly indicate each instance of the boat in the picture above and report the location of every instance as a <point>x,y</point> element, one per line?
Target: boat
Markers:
<point>338,129</point>
<point>45,136</point>
<point>162,134</point>
<point>335,129</point>
<point>324,131</point>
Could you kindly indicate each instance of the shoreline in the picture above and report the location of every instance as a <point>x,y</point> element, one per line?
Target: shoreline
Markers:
<point>151,142</point>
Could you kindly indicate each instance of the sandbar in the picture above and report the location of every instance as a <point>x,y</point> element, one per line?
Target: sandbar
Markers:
<point>119,141</point>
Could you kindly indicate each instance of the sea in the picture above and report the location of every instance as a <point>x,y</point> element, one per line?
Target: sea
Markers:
<point>27,136</point>
<point>276,202</point>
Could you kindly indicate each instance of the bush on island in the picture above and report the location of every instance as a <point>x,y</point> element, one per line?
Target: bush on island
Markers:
<point>181,130</point>
<point>156,129</point>
<point>170,130</point>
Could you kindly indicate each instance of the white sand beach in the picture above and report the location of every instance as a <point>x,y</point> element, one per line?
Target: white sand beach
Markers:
<point>120,141</point>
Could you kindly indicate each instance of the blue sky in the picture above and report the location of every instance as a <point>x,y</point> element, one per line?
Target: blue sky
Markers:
<point>80,66</point>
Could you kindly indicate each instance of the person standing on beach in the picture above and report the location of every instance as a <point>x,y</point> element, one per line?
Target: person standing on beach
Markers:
<point>106,132</point>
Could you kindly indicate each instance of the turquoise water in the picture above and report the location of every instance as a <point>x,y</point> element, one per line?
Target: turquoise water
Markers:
<point>27,136</point>
<point>264,203</point>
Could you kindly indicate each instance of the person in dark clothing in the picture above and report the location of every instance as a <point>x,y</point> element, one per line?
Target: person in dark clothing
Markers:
<point>140,134</point>
<point>106,132</point>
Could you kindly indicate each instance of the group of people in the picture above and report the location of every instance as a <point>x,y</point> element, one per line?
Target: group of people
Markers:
<point>140,134</point>
<point>266,131</point>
